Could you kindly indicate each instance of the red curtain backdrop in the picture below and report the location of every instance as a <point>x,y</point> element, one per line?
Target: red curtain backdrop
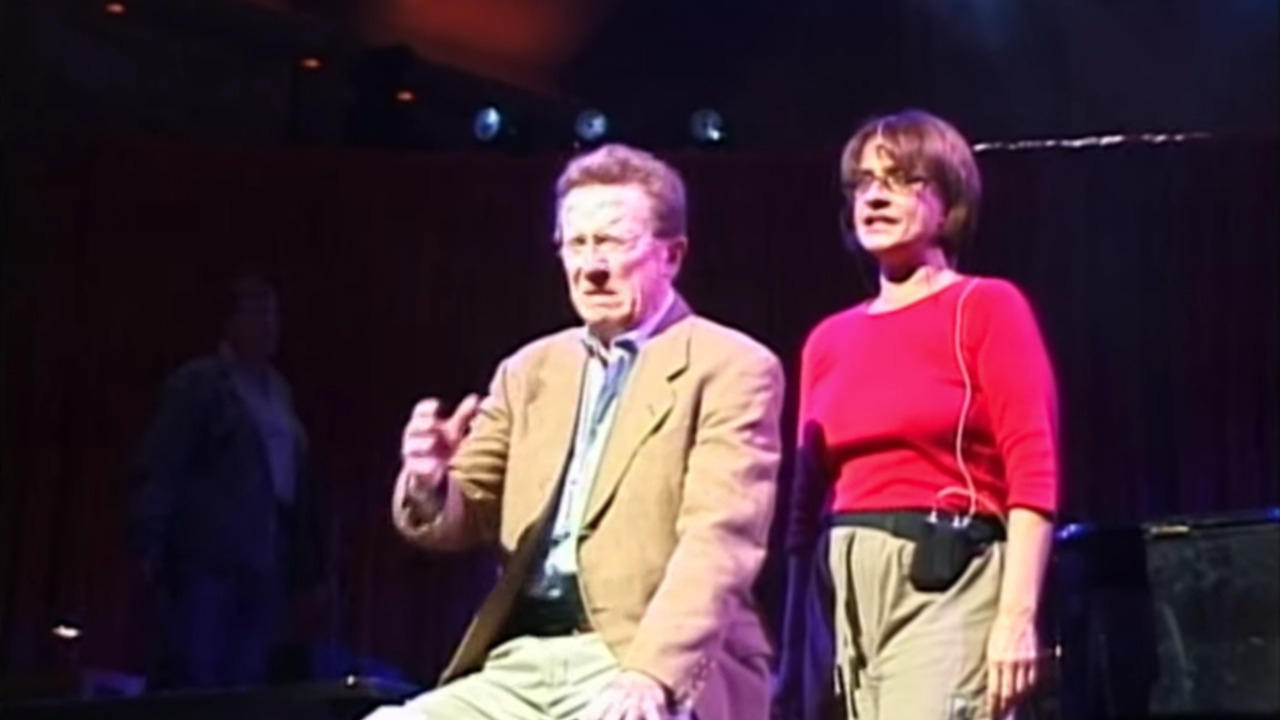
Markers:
<point>1153,269</point>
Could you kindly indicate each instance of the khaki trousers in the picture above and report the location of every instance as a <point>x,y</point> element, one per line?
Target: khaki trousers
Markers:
<point>526,678</point>
<point>902,654</point>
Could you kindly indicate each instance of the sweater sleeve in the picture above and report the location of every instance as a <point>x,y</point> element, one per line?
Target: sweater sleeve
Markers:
<point>1012,368</point>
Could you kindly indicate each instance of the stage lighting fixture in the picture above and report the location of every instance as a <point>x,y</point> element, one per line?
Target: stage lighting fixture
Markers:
<point>707,127</point>
<point>489,124</point>
<point>591,125</point>
<point>66,631</point>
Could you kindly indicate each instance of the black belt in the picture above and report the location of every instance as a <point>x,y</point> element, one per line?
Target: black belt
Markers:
<point>548,617</point>
<point>906,524</point>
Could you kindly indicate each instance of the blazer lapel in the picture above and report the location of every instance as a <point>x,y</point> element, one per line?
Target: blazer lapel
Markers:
<point>645,403</point>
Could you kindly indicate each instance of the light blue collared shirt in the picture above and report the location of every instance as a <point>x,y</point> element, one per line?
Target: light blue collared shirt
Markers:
<point>266,399</point>
<point>589,441</point>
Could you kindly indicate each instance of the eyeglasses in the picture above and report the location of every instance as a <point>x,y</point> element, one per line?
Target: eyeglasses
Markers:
<point>609,246</point>
<point>894,181</point>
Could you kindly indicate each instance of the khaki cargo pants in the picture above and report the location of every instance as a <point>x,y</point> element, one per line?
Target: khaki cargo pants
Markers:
<point>902,654</point>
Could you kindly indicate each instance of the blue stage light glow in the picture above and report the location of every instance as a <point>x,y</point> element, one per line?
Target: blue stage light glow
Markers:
<point>488,124</point>
<point>591,125</point>
<point>707,127</point>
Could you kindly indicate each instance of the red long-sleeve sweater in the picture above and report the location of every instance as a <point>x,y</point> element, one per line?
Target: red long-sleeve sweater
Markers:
<point>886,391</point>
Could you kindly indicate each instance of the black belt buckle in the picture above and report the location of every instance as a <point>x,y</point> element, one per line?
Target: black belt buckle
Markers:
<point>548,617</point>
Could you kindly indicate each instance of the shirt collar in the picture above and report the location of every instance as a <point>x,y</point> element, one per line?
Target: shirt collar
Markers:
<point>632,339</point>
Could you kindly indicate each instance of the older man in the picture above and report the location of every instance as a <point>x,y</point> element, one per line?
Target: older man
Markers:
<point>627,469</point>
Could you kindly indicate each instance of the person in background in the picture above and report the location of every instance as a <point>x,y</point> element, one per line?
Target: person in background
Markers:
<point>223,517</point>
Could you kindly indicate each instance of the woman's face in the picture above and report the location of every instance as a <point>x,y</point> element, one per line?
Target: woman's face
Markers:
<point>895,215</point>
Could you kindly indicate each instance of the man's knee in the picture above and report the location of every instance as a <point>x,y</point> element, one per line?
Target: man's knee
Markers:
<point>465,699</point>
<point>443,702</point>
<point>428,706</point>
<point>392,712</point>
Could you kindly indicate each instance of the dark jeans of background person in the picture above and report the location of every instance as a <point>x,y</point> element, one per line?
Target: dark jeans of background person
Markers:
<point>805,686</point>
<point>218,629</point>
<point>219,626</point>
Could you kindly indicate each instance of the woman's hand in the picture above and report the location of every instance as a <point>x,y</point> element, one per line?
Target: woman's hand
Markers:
<point>1012,646</point>
<point>1012,649</point>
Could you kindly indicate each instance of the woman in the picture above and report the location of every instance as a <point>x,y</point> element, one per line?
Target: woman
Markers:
<point>934,407</point>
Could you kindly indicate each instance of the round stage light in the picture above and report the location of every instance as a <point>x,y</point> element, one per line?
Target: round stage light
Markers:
<point>591,125</point>
<point>707,127</point>
<point>488,124</point>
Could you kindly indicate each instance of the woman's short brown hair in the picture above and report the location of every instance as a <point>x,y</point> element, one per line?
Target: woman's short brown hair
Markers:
<point>924,145</point>
<point>617,164</point>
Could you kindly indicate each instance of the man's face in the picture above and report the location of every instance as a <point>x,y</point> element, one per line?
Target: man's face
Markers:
<point>893,212</point>
<point>618,273</point>
<point>253,330</point>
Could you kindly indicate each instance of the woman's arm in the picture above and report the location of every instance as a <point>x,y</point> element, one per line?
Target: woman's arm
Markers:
<point>1015,373</point>
<point>1012,646</point>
